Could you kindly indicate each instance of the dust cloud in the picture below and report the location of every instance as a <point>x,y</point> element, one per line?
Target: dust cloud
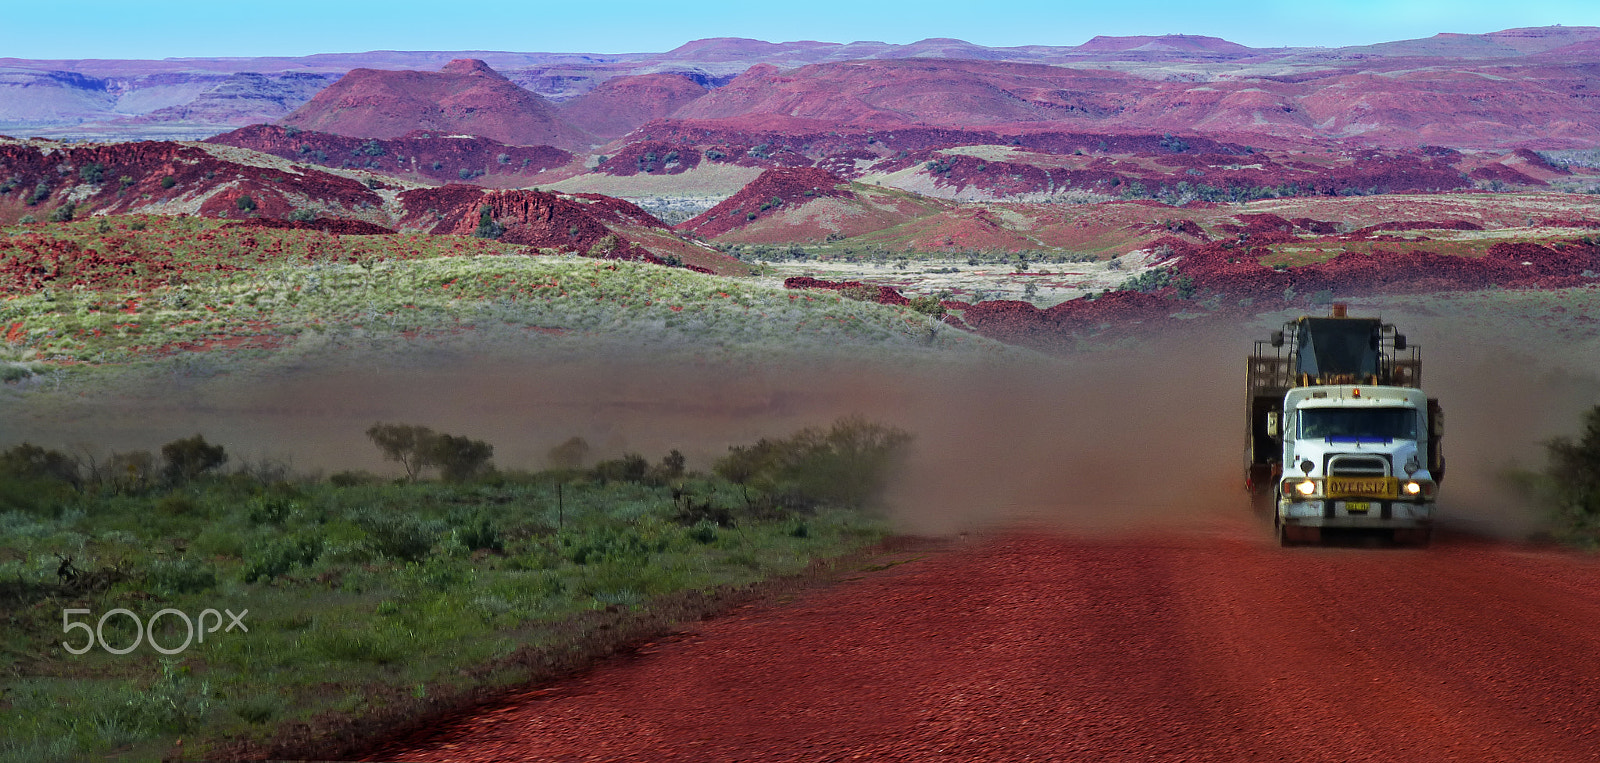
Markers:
<point>1148,437</point>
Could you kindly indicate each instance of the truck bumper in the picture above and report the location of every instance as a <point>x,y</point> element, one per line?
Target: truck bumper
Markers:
<point>1336,513</point>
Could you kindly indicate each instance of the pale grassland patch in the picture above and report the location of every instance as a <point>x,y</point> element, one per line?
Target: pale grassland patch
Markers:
<point>987,153</point>
<point>707,179</point>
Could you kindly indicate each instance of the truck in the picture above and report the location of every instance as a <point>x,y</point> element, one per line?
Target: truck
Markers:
<point>1340,437</point>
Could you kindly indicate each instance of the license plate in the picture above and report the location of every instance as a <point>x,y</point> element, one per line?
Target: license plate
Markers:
<point>1381,487</point>
<point>1357,507</point>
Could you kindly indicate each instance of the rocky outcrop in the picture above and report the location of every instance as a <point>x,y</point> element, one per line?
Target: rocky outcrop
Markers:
<point>465,97</point>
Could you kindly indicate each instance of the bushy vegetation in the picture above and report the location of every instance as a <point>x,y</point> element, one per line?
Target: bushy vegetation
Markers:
<point>1573,486</point>
<point>359,586</point>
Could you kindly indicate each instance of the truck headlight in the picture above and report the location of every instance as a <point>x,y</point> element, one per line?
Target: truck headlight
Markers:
<point>1417,489</point>
<point>1303,488</point>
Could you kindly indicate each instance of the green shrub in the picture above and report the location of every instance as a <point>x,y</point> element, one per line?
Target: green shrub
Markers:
<point>245,203</point>
<point>92,173</point>
<point>31,461</point>
<point>277,557</point>
<point>399,536</point>
<point>216,540</point>
<point>481,535</point>
<point>168,182</point>
<point>177,504</point>
<point>63,213</point>
<point>1574,476</point>
<point>191,457</point>
<point>846,465</point>
<point>39,193</point>
<point>624,544</point>
<point>303,214</point>
<point>173,703</point>
<point>630,468</point>
<point>353,478</point>
<point>179,576</point>
<point>488,227</point>
<point>270,509</point>
<point>380,646</point>
<point>705,531</point>
<point>257,708</point>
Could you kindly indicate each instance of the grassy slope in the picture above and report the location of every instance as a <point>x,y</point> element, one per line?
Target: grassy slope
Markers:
<point>299,285</point>
<point>395,605</point>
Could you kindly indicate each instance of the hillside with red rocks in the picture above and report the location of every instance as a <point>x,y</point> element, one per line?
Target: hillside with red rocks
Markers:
<point>621,104</point>
<point>1384,103</point>
<point>1231,272</point>
<point>42,179</point>
<point>421,155</point>
<point>774,191</point>
<point>589,224</point>
<point>465,97</point>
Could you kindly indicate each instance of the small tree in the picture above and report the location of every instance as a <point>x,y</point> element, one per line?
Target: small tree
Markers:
<point>33,462</point>
<point>570,454</point>
<point>459,458</point>
<point>409,444</point>
<point>245,203</point>
<point>189,458</point>
<point>488,227</point>
<point>605,246</point>
<point>93,173</point>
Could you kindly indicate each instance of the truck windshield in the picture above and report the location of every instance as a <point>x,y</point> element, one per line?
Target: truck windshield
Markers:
<point>1359,423</point>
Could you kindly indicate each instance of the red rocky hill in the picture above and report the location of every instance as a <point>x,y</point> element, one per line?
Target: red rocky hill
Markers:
<point>465,97</point>
<point>621,104</point>
<point>773,191</point>
<point>42,179</point>
<point>1534,102</point>
<point>421,154</point>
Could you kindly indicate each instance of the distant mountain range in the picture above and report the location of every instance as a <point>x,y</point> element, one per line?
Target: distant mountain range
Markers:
<point>1514,88</point>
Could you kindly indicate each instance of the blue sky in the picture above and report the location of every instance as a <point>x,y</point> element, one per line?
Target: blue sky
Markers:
<point>166,28</point>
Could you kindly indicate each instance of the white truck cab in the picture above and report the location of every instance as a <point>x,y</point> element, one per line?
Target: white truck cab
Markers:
<point>1341,433</point>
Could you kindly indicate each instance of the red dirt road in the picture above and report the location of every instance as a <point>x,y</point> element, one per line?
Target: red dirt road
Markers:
<point>1205,647</point>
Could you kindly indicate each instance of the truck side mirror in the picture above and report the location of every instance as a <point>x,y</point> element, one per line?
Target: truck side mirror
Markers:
<point>1399,341</point>
<point>1277,339</point>
<point>1436,425</point>
<point>1272,424</point>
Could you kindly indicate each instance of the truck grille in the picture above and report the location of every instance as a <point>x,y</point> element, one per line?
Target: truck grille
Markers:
<point>1358,466</point>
